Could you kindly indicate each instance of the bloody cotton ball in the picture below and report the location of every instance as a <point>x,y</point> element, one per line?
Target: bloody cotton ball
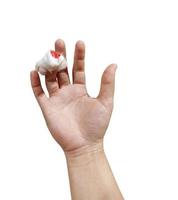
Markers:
<point>51,61</point>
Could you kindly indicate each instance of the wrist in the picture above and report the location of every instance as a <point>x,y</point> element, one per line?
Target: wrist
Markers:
<point>85,154</point>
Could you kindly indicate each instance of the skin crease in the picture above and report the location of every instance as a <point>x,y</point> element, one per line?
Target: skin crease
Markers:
<point>75,119</point>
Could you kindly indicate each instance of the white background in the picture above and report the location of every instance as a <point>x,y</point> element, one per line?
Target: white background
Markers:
<point>141,36</point>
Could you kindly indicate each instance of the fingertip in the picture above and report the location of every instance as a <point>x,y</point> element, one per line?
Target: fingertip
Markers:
<point>115,66</point>
<point>59,42</point>
<point>80,45</point>
<point>31,75</point>
<point>35,79</point>
<point>79,50</point>
<point>60,47</point>
<point>112,67</point>
<point>31,72</point>
<point>34,74</point>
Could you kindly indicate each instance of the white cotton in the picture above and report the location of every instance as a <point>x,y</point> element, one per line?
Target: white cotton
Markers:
<point>49,63</point>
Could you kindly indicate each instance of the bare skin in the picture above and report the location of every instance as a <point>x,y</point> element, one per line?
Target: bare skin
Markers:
<point>78,123</point>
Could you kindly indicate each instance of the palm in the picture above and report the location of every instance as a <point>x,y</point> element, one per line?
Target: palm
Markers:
<point>73,118</point>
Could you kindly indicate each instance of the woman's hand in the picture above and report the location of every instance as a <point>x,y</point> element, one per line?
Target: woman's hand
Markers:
<point>75,119</point>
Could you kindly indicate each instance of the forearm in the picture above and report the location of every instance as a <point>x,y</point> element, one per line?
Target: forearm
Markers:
<point>90,175</point>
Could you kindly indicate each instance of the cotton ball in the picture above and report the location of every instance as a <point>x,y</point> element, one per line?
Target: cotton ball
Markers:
<point>51,61</point>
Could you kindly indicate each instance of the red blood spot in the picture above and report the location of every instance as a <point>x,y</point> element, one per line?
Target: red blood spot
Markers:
<point>55,54</point>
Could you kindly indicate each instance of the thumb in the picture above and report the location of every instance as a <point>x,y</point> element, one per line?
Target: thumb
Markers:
<point>107,87</point>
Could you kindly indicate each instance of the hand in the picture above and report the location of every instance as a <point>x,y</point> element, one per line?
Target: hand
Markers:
<point>75,119</point>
